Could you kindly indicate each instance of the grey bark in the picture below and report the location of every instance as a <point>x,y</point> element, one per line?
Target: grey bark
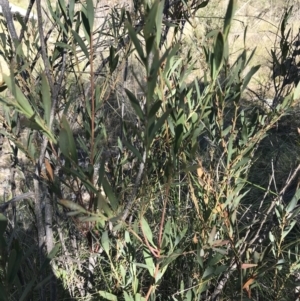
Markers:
<point>10,23</point>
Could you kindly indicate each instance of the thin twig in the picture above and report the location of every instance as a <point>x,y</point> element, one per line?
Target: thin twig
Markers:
<point>27,195</point>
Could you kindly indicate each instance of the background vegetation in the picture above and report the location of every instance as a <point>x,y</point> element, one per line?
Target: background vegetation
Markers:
<point>150,157</point>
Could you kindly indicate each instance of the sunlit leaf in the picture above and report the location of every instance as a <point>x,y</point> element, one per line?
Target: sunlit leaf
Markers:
<point>294,201</point>
<point>158,21</point>
<point>146,230</point>
<point>149,262</point>
<point>107,296</point>
<point>105,242</point>
<point>71,205</point>
<point>229,17</point>
<point>71,9</point>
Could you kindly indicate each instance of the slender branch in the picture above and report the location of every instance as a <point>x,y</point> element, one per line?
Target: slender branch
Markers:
<point>43,44</point>
<point>10,23</point>
<point>226,275</point>
<point>26,19</point>
<point>18,198</point>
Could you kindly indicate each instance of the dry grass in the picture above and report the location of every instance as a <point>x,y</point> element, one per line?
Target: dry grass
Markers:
<point>262,19</point>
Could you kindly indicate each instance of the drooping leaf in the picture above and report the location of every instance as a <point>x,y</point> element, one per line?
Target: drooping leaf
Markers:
<point>136,42</point>
<point>135,104</point>
<point>23,106</point>
<point>249,75</point>
<point>85,25</point>
<point>134,150</point>
<point>154,108</point>
<point>81,44</point>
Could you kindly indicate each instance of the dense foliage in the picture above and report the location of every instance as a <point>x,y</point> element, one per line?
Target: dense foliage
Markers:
<point>140,167</point>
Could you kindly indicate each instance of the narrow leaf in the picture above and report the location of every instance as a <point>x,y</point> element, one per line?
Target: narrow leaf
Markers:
<point>71,205</point>
<point>71,147</point>
<point>147,231</point>
<point>11,267</point>
<point>110,195</point>
<point>90,13</point>
<point>158,125</point>
<point>297,92</point>
<point>3,224</point>
<point>158,21</point>
<point>105,242</point>
<point>218,52</point>
<point>294,201</point>
<point>135,41</point>
<point>149,262</point>
<point>154,108</point>
<point>80,43</point>
<point>249,75</point>
<point>228,17</point>
<point>135,104</point>
<point>71,9</point>
<point>178,137</point>
<point>134,150</point>
<point>24,106</point>
<point>27,290</point>
<point>108,296</point>
<point>49,169</point>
